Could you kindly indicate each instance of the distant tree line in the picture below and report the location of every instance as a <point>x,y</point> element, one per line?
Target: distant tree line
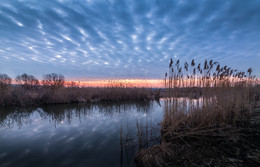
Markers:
<point>26,90</point>
<point>29,81</point>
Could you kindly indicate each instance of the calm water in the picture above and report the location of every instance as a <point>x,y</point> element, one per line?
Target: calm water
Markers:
<point>104,134</point>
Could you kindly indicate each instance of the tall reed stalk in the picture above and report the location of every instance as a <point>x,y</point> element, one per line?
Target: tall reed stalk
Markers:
<point>225,97</point>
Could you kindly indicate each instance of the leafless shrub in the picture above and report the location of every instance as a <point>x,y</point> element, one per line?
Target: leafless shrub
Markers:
<point>27,81</point>
<point>5,80</point>
<point>53,80</point>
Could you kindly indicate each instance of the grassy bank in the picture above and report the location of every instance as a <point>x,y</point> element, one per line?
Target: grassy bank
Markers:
<point>53,89</point>
<point>20,96</point>
<point>224,105</point>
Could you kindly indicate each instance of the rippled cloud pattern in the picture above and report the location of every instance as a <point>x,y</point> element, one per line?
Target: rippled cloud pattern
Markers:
<point>88,39</point>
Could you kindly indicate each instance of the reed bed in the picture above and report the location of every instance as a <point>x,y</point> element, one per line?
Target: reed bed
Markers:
<point>215,102</point>
<point>23,97</point>
<point>227,97</point>
<point>53,90</point>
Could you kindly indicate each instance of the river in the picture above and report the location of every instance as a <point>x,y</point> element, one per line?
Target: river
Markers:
<point>103,134</point>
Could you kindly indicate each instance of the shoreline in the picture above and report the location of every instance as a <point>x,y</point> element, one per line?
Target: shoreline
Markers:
<point>233,146</point>
<point>19,96</point>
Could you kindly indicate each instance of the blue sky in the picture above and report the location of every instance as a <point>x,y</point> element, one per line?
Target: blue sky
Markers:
<point>117,39</point>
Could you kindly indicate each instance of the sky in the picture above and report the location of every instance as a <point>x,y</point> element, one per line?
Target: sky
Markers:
<point>125,39</point>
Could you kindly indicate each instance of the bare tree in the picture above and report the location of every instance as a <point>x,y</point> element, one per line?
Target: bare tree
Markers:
<point>5,81</point>
<point>27,81</point>
<point>53,80</point>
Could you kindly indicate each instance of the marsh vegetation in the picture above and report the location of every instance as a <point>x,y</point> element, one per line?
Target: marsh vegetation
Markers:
<point>221,102</point>
<point>207,110</point>
<point>53,89</point>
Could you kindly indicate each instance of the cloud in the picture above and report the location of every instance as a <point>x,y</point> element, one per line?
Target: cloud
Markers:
<point>125,39</point>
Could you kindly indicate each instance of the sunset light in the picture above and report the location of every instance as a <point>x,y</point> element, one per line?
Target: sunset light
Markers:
<point>129,83</point>
<point>148,83</point>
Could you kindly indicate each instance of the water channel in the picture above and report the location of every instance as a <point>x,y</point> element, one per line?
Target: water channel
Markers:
<point>103,134</point>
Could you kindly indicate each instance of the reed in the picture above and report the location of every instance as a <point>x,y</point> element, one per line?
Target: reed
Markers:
<point>54,90</point>
<point>227,97</point>
<point>214,101</point>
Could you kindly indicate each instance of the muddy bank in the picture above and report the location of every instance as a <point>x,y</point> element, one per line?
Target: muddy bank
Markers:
<point>230,146</point>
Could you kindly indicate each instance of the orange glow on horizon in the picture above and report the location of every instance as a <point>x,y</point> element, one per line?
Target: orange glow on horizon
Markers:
<point>147,83</point>
<point>154,83</point>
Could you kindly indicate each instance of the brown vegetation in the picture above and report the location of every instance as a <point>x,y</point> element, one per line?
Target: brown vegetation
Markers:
<point>227,98</point>
<point>27,81</point>
<point>225,103</point>
<point>5,82</point>
<point>53,89</point>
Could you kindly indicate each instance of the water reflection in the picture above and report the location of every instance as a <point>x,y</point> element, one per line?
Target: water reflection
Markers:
<point>105,134</point>
<point>11,117</point>
<point>14,117</point>
<point>147,136</point>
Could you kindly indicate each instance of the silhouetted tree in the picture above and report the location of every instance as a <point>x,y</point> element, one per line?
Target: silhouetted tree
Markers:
<point>5,81</point>
<point>27,81</point>
<point>53,80</point>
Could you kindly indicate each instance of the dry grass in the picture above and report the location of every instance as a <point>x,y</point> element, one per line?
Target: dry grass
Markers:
<point>154,156</point>
<point>54,89</point>
<point>225,99</point>
<point>18,95</point>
